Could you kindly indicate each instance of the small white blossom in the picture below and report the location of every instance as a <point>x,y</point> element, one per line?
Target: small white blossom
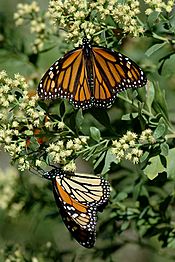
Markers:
<point>147,137</point>
<point>70,167</point>
<point>61,125</point>
<point>159,6</point>
<point>38,162</point>
<point>69,144</point>
<point>128,147</point>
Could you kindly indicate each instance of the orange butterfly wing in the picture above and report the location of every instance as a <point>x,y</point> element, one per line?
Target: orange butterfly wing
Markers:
<point>113,73</point>
<point>67,78</point>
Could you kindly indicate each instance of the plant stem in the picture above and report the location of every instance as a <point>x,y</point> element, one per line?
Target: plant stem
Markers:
<point>145,111</point>
<point>135,105</point>
<point>169,136</point>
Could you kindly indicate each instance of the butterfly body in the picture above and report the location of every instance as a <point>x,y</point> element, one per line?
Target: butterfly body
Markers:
<point>90,76</point>
<point>79,197</point>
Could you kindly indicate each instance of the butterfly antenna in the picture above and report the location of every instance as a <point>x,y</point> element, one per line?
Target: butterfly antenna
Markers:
<point>38,172</point>
<point>52,165</point>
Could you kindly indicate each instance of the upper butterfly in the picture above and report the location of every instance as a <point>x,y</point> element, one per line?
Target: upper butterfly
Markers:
<point>90,76</point>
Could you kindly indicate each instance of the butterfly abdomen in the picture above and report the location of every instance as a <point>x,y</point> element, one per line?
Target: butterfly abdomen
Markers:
<point>87,52</point>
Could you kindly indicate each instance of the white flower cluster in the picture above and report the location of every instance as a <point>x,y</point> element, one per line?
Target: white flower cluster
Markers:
<point>125,15</point>
<point>20,115</point>
<point>128,147</point>
<point>31,13</point>
<point>147,137</point>
<point>71,16</point>
<point>25,9</point>
<point>16,254</point>
<point>23,128</point>
<point>51,124</point>
<point>79,18</point>
<point>159,6</point>
<point>60,152</point>
<point>8,182</point>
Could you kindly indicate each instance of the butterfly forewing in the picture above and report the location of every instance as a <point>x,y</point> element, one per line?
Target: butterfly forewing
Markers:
<point>85,187</point>
<point>81,214</point>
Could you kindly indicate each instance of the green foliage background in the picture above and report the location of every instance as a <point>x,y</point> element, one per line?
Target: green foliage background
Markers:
<point>138,224</point>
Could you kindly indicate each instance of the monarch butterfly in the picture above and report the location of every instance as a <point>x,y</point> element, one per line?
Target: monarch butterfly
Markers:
<point>79,198</point>
<point>90,76</point>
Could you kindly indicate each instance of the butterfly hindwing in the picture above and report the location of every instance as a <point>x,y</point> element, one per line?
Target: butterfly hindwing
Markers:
<point>85,237</point>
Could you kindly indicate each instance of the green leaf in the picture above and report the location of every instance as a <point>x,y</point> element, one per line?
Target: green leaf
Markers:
<point>14,62</point>
<point>129,116</point>
<point>170,163</point>
<point>152,18</point>
<point>101,116</point>
<point>144,156</point>
<point>134,95</point>
<point>62,108</point>
<point>79,119</point>
<point>125,225</point>
<point>121,196</point>
<point>43,105</point>
<point>95,133</point>
<point>68,107</point>
<point>108,160</point>
<point>155,48</point>
<point>172,20</point>
<point>164,149</point>
<point>150,93</point>
<point>159,103</point>
<point>160,129</point>
<point>168,65</point>
<point>100,159</point>
<point>154,168</point>
<point>34,145</point>
<point>171,242</point>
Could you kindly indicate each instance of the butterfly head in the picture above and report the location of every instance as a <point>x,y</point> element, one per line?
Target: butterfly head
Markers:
<point>52,173</point>
<point>86,42</point>
<point>48,175</point>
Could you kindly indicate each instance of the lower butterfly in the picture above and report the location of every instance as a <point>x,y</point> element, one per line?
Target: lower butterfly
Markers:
<point>79,198</point>
<point>90,76</point>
